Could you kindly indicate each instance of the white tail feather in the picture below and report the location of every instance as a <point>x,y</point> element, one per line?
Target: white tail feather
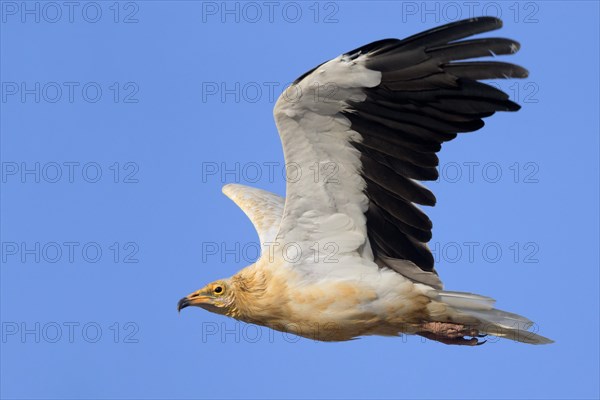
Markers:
<point>464,307</point>
<point>466,300</point>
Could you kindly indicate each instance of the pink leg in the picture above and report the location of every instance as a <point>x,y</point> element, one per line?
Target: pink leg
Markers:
<point>449,333</point>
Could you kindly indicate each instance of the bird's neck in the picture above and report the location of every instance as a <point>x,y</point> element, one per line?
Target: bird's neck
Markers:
<point>260,297</point>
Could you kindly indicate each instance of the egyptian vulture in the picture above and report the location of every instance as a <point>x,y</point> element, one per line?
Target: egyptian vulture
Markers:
<point>346,255</point>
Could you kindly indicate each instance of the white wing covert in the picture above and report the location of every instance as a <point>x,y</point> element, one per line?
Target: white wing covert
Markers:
<point>264,209</point>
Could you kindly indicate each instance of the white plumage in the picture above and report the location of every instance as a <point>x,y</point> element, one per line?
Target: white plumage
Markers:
<point>345,254</point>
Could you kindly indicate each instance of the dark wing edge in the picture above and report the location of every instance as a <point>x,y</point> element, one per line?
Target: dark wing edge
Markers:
<point>427,95</point>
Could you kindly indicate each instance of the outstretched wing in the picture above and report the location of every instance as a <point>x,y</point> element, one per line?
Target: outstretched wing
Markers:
<point>365,127</point>
<point>264,209</point>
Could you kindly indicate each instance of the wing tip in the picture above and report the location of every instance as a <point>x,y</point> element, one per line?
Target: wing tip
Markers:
<point>493,20</point>
<point>229,189</point>
<point>487,23</point>
<point>520,72</point>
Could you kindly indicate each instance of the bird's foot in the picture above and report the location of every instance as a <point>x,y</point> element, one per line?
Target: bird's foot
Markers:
<point>449,333</point>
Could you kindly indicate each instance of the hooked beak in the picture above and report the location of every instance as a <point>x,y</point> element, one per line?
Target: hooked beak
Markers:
<point>183,303</point>
<point>194,299</point>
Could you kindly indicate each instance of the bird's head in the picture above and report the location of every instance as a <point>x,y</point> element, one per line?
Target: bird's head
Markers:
<point>217,297</point>
<point>240,296</point>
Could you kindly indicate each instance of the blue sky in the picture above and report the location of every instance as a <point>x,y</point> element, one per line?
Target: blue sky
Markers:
<point>120,123</point>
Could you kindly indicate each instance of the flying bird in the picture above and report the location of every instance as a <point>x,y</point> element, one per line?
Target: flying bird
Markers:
<point>345,253</point>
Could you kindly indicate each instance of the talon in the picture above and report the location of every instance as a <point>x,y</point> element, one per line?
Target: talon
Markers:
<point>482,342</point>
<point>483,335</point>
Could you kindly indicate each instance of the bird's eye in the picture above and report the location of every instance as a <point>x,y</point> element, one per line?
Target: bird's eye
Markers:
<point>218,289</point>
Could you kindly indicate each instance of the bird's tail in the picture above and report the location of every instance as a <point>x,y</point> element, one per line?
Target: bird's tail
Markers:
<point>479,312</point>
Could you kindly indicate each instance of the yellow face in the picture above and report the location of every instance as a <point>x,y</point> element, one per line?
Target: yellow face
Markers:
<point>215,297</point>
